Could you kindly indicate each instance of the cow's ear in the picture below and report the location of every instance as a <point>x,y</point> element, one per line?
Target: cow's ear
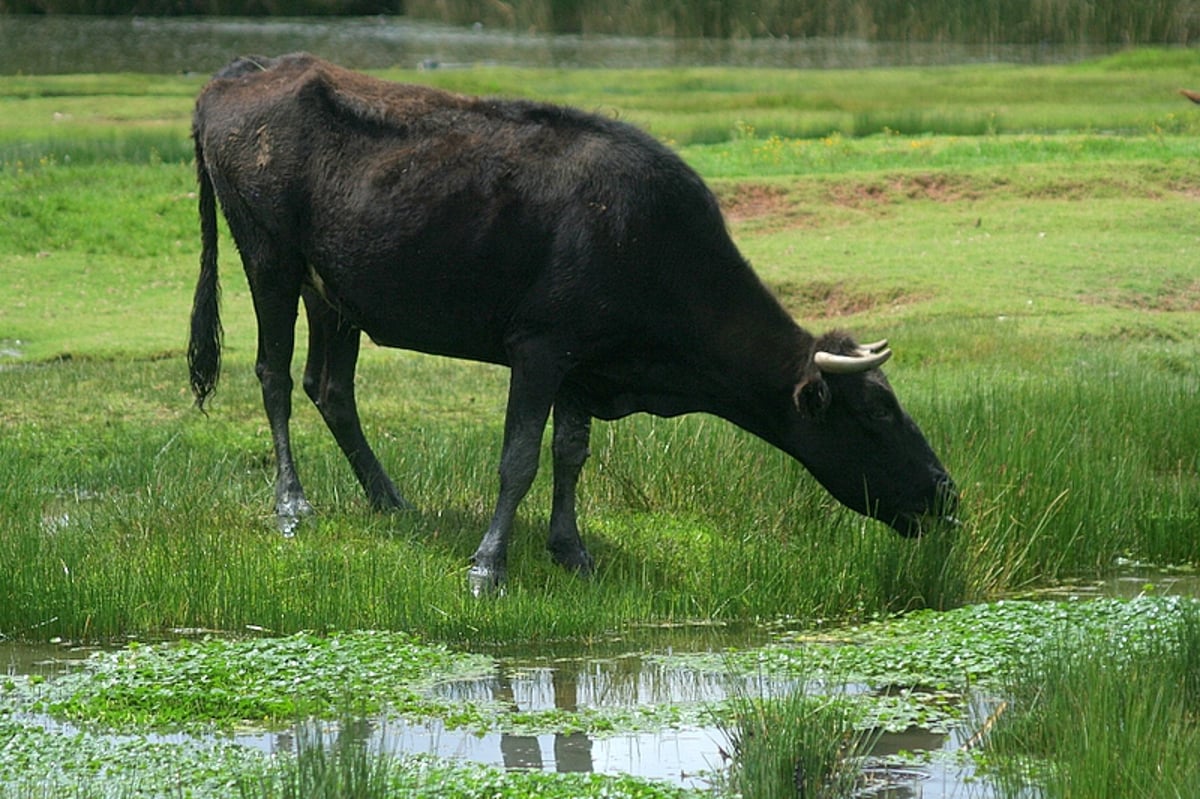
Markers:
<point>812,397</point>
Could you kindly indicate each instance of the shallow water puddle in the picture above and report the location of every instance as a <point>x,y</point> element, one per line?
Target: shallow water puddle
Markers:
<point>683,745</point>
<point>43,660</point>
<point>11,348</point>
<point>647,705</point>
<point>688,755</point>
<point>1133,580</point>
<point>67,508</point>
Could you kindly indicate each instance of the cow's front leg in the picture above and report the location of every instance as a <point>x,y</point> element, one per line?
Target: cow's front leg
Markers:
<point>572,430</point>
<point>531,391</point>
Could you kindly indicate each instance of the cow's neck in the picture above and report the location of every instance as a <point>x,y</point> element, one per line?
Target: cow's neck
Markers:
<point>752,358</point>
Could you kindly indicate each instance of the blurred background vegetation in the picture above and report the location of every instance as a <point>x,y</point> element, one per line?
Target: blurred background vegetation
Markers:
<point>1131,22</point>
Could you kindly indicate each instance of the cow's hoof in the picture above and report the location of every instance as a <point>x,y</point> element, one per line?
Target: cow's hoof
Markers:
<point>290,517</point>
<point>577,561</point>
<point>484,581</point>
<point>388,498</point>
<point>401,505</point>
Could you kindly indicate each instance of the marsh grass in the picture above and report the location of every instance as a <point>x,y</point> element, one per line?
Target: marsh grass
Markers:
<point>345,769</point>
<point>1037,288</point>
<point>143,148</point>
<point>799,744</point>
<point>134,118</point>
<point>125,517</point>
<point>348,766</point>
<point>935,20</point>
<point>1103,716</point>
<point>1055,22</point>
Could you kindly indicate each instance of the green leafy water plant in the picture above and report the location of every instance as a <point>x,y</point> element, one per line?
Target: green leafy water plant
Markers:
<point>38,763</point>
<point>918,669</point>
<point>265,682</point>
<point>982,642</point>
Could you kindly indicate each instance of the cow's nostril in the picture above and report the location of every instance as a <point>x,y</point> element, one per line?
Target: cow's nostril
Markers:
<point>947,498</point>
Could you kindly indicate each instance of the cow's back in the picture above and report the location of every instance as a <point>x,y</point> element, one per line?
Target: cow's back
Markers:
<point>476,215</point>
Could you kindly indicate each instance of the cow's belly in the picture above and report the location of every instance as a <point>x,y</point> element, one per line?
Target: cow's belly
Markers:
<point>436,312</point>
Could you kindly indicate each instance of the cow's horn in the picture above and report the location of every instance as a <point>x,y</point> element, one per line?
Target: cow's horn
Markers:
<point>851,364</point>
<point>873,347</point>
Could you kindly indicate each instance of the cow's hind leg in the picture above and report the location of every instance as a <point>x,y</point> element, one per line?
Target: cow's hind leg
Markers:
<point>275,287</point>
<point>572,430</point>
<point>329,383</point>
<point>531,392</point>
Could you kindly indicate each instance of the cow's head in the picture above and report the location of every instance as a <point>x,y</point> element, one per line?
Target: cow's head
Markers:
<point>858,442</point>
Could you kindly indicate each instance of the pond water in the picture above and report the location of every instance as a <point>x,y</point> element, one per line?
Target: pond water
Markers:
<point>611,676</point>
<point>61,44</point>
<point>631,673</point>
<point>688,756</point>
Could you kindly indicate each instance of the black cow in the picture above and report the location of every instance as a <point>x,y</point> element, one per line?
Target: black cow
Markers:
<point>573,248</point>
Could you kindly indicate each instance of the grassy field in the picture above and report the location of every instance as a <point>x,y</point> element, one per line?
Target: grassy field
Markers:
<point>1024,236</point>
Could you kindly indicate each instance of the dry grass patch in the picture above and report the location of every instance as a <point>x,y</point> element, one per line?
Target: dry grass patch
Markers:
<point>823,299</point>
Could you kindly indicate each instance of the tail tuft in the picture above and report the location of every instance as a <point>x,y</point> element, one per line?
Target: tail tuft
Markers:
<point>204,346</point>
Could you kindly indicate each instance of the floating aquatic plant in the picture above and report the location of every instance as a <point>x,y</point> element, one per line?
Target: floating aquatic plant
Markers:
<point>261,681</point>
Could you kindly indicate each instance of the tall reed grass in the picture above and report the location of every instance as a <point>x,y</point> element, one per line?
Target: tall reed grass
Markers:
<point>1014,21</point>
<point>1104,717</point>
<point>345,769</point>
<point>799,744</point>
<point>133,521</point>
<point>141,148</point>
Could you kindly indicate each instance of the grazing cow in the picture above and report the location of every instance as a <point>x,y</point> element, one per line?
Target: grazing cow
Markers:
<point>572,248</point>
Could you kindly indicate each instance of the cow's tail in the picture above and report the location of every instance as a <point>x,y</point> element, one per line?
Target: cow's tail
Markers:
<point>204,347</point>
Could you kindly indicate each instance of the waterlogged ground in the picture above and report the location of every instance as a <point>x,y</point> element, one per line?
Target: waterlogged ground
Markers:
<point>646,715</point>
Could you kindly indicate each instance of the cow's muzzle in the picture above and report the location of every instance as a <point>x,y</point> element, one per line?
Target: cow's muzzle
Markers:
<point>941,515</point>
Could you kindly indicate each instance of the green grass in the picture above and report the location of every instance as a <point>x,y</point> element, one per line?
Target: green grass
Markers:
<point>1038,289</point>
<point>128,117</point>
<point>105,463</point>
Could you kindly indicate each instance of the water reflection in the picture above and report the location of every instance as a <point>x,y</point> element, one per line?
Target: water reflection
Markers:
<point>60,44</point>
<point>691,755</point>
<point>550,689</point>
<point>686,756</point>
<point>1132,581</point>
<point>42,660</point>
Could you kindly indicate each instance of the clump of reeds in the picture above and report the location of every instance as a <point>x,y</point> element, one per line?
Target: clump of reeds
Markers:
<point>1109,716</point>
<point>798,744</point>
<point>346,768</point>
